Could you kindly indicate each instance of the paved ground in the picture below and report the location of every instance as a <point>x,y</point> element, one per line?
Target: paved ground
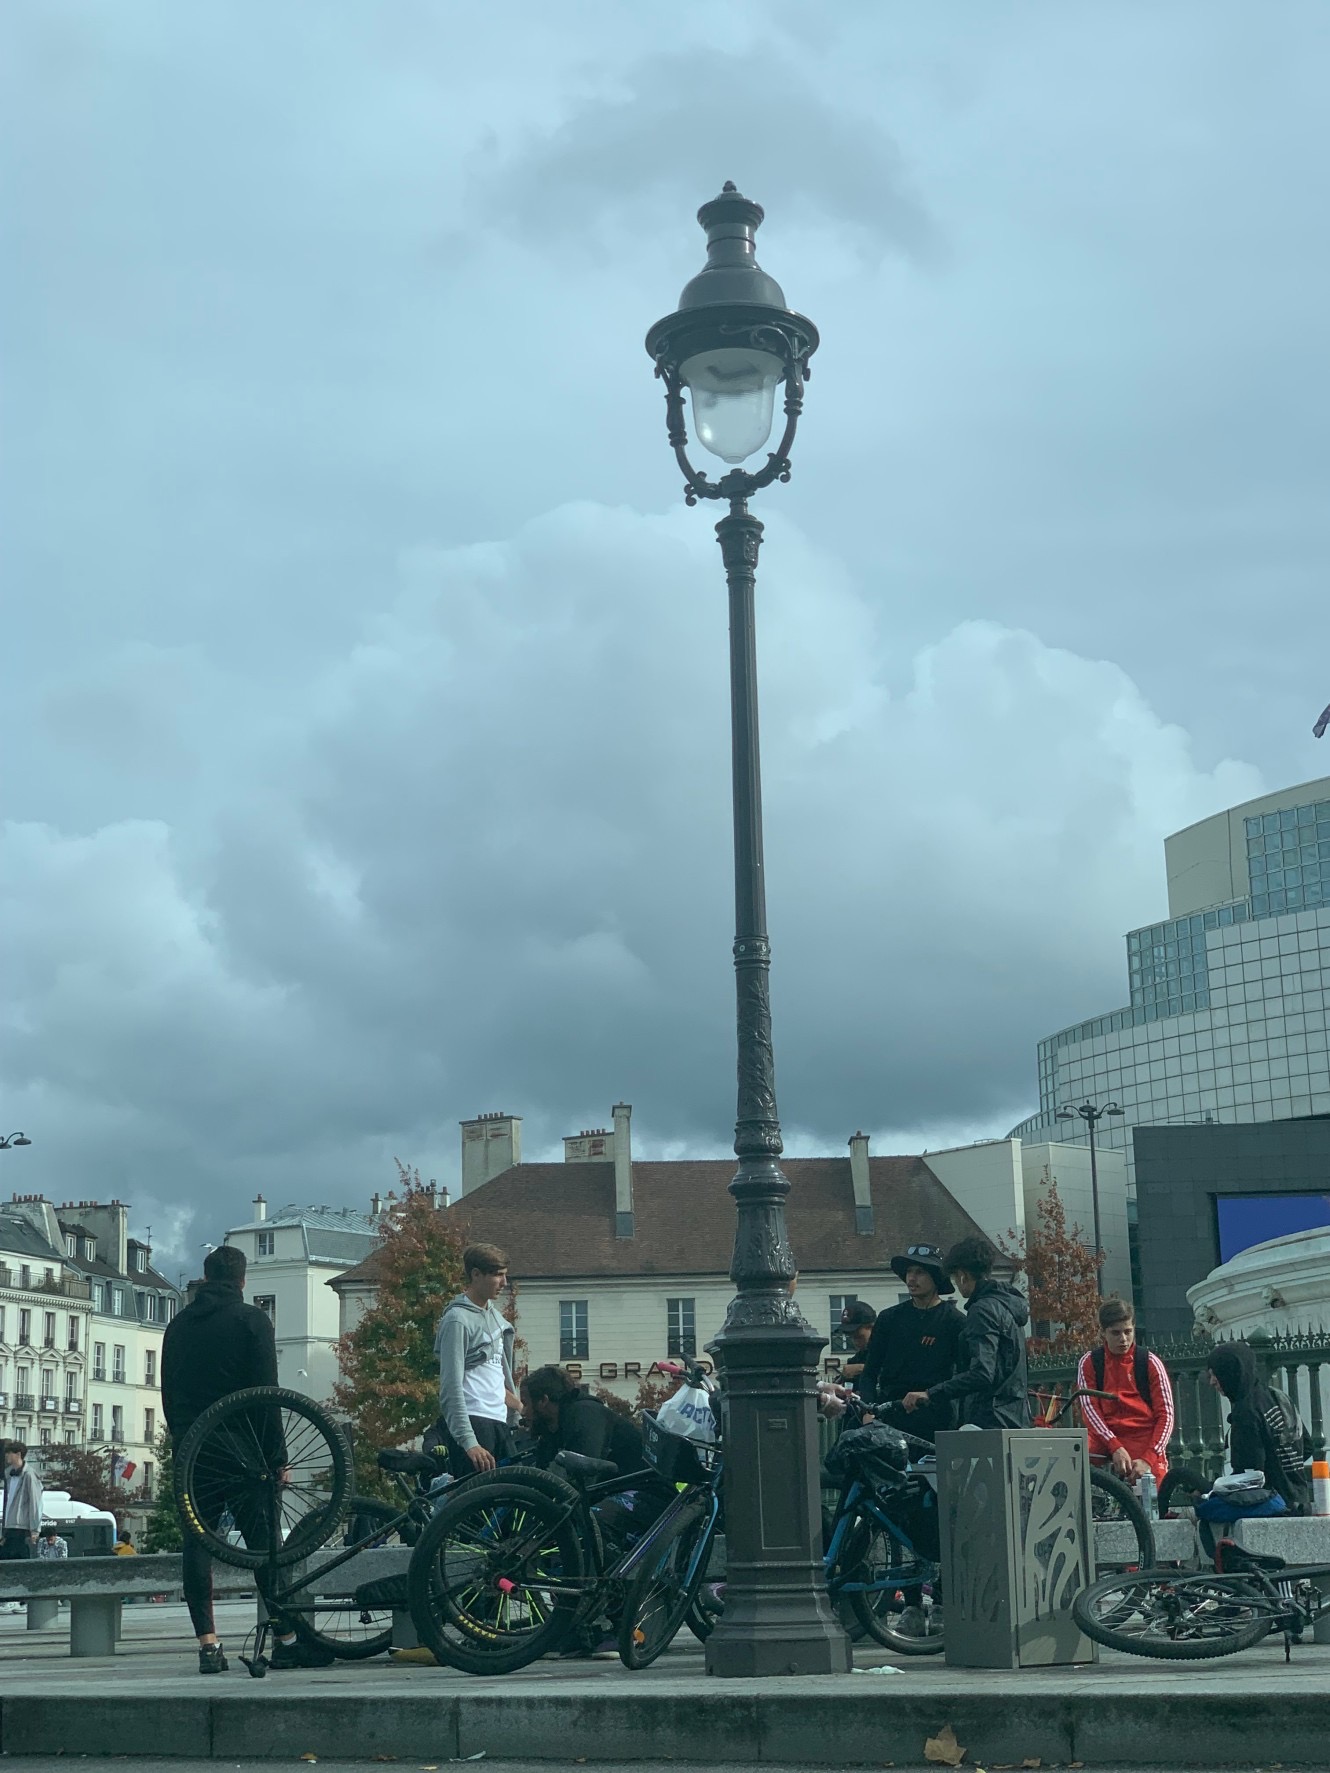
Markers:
<point>1247,1711</point>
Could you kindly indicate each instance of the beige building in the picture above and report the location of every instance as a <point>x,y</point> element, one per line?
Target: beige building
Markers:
<point>620,1264</point>
<point>292,1255</point>
<point>45,1311</point>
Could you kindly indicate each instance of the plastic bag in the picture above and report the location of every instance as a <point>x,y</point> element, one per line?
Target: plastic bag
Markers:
<point>689,1415</point>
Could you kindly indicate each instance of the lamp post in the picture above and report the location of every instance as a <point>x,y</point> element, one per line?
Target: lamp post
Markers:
<point>1091,1115</point>
<point>731,341</point>
<point>14,1139</point>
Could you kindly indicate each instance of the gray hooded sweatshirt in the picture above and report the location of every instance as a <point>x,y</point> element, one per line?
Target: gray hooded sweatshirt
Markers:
<point>462,1342</point>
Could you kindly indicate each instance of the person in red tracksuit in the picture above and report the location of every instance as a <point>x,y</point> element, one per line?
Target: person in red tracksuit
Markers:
<point>1132,1431</point>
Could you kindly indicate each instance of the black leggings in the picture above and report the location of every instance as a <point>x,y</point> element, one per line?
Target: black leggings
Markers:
<point>495,1437</point>
<point>247,1510</point>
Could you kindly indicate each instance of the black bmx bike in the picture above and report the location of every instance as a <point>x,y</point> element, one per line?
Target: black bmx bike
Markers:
<point>264,1479</point>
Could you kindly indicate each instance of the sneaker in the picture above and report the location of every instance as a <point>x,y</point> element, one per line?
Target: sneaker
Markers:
<point>212,1659</point>
<point>299,1655</point>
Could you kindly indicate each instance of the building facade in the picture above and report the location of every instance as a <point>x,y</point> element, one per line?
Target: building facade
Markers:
<point>291,1256</point>
<point>45,1312</point>
<point>1226,1020</point>
<point>131,1306</point>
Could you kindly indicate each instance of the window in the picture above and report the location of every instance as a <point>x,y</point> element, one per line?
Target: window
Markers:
<point>267,1303</point>
<point>24,1327</point>
<point>99,1360</point>
<point>72,1340</point>
<point>2,1323</point>
<point>840,1337</point>
<point>46,1437</point>
<point>98,1296</point>
<point>96,1422</point>
<point>573,1340</point>
<point>117,1301</point>
<point>48,1329</point>
<point>117,1422</point>
<point>25,1275</point>
<point>681,1329</point>
<point>267,1241</point>
<point>118,1364</point>
<point>71,1437</point>
<point>150,1426</point>
<point>150,1367</point>
<point>141,1260</point>
<point>147,1477</point>
<point>90,1249</point>
<point>71,1388</point>
<point>48,1388</point>
<point>71,1245</point>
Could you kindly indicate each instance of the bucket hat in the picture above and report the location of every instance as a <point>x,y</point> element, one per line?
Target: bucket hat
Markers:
<point>927,1256</point>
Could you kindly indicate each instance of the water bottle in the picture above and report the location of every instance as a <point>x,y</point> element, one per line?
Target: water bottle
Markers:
<point>1320,1486</point>
<point>1148,1491</point>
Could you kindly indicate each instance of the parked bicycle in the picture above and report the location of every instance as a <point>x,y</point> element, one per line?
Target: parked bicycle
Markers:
<point>1196,1616</point>
<point>273,1466</point>
<point>519,1562</point>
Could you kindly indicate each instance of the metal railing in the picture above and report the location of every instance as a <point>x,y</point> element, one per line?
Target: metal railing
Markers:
<point>1299,1363</point>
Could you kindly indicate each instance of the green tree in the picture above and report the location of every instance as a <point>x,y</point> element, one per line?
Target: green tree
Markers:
<point>162,1532</point>
<point>389,1383</point>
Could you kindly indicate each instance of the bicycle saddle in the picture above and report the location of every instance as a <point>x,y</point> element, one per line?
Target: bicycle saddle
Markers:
<point>583,1470</point>
<point>410,1463</point>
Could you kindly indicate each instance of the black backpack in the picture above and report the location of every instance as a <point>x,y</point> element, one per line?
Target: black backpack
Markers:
<point>1140,1366</point>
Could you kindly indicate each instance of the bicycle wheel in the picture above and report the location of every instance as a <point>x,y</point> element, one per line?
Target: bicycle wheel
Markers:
<point>709,1598</point>
<point>1112,1501</point>
<point>660,1595</point>
<point>276,1464</point>
<point>901,1608</point>
<point>491,1575</point>
<point>1175,1618</point>
<point>1181,1487</point>
<point>351,1629</point>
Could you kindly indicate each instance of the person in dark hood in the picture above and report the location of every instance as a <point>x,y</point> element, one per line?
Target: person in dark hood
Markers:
<point>990,1383</point>
<point>215,1346</point>
<point>1261,1436</point>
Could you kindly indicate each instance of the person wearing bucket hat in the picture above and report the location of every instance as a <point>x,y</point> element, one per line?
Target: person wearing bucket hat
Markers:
<point>914,1344</point>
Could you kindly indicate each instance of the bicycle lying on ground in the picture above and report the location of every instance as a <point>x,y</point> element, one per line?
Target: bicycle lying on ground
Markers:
<point>276,1465</point>
<point>1189,1617</point>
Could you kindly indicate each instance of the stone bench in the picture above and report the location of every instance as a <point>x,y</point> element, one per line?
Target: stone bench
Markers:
<point>373,1565</point>
<point>1115,1542</point>
<point>96,1589</point>
<point>1298,1539</point>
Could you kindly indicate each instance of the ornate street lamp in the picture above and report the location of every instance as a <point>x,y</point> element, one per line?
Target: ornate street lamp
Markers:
<point>731,343</point>
<point>14,1139</point>
<point>1092,1115</point>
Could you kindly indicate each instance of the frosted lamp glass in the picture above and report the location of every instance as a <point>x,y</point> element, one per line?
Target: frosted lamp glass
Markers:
<point>734,393</point>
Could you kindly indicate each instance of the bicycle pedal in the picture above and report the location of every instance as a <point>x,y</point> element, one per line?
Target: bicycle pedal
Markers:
<point>257,1666</point>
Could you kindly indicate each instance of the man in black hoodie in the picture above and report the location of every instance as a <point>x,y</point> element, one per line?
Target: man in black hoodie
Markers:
<point>991,1381</point>
<point>565,1418</point>
<point>215,1346</point>
<point>1260,1435</point>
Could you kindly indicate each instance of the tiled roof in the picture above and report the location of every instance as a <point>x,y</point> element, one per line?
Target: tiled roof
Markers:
<point>556,1220</point>
<point>20,1237</point>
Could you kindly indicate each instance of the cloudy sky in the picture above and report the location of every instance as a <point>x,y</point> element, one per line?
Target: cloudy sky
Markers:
<point>364,723</point>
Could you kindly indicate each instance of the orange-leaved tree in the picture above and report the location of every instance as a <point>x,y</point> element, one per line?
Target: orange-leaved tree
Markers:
<point>389,1383</point>
<point>1063,1273</point>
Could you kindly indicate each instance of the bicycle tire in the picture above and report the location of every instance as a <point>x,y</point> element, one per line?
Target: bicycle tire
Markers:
<point>881,1612</point>
<point>1118,1501</point>
<point>328,1623</point>
<point>1152,1587</point>
<point>458,1610</point>
<point>1184,1480</point>
<point>660,1596</point>
<point>230,1460</point>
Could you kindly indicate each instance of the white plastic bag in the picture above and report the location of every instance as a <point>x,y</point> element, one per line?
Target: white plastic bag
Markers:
<point>689,1415</point>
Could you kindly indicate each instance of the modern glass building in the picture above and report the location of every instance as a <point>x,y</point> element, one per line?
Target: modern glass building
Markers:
<point>1227,1015</point>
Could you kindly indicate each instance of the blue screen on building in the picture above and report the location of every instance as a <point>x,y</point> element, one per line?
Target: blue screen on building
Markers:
<point>1247,1219</point>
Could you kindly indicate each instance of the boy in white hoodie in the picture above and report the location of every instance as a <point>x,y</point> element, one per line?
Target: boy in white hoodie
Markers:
<point>474,1343</point>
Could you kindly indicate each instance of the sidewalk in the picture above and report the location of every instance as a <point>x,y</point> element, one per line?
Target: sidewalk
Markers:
<point>1124,1712</point>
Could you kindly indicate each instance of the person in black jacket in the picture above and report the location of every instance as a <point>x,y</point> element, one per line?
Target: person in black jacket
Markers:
<point>991,1382</point>
<point>1259,1436</point>
<point>913,1345</point>
<point>565,1418</point>
<point>215,1346</point>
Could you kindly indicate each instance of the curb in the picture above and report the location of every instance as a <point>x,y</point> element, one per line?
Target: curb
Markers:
<point>736,1724</point>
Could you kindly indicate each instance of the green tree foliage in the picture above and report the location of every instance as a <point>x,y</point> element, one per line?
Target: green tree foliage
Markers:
<point>389,1385</point>
<point>162,1532</point>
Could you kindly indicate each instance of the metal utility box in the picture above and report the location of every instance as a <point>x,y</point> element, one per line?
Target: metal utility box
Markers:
<point>1017,1545</point>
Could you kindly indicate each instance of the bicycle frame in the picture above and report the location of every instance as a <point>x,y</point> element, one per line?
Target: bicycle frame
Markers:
<point>858,1494</point>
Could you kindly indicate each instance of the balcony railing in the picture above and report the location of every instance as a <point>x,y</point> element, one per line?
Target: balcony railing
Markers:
<point>73,1406</point>
<point>99,1375</point>
<point>51,1404</point>
<point>66,1287</point>
<point>24,1400</point>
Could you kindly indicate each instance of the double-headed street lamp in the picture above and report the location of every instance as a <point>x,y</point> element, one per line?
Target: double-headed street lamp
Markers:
<point>14,1139</point>
<point>1092,1115</point>
<point>731,342</point>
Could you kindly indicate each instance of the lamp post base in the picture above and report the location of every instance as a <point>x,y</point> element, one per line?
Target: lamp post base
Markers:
<point>777,1619</point>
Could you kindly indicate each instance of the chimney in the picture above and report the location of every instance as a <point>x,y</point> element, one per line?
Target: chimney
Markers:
<point>623,1170</point>
<point>863,1193</point>
<point>491,1144</point>
<point>593,1145</point>
<point>260,1208</point>
<point>433,1192</point>
<point>445,1201</point>
<point>376,1206</point>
